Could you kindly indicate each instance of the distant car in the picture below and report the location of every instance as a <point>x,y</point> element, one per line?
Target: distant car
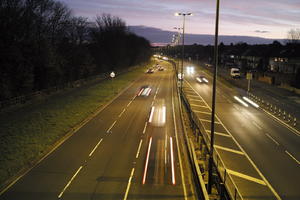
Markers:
<point>201,79</point>
<point>144,91</point>
<point>150,71</point>
<point>161,68</point>
<point>235,73</point>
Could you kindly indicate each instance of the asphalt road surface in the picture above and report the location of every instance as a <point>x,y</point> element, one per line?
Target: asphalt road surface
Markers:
<point>125,152</point>
<point>272,146</point>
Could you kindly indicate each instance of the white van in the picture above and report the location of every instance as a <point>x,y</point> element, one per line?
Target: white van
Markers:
<point>235,73</point>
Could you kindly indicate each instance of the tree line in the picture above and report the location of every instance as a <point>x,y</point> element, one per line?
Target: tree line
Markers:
<point>43,45</point>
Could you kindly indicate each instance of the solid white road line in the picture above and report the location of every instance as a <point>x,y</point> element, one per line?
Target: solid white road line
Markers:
<point>108,130</point>
<point>129,183</point>
<point>244,176</point>
<point>229,150</point>
<point>288,153</point>
<point>95,148</point>
<point>147,160</point>
<point>269,136</point>
<point>172,161</point>
<point>68,184</point>
<point>139,148</point>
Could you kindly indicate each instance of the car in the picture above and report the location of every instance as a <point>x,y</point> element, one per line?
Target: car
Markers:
<point>144,91</point>
<point>161,68</point>
<point>150,71</point>
<point>201,79</point>
<point>235,73</point>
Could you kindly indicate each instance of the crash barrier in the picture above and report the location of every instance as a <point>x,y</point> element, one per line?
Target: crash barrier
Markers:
<point>275,110</point>
<point>223,180</point>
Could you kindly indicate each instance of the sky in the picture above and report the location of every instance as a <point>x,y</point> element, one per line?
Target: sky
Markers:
<point>260,18</point>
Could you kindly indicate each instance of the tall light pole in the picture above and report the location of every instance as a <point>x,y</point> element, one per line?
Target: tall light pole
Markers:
<point>211,160</point>
<point>183,27</point>
<point>177,42</point>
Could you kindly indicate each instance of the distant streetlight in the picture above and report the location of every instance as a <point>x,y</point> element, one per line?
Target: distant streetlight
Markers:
<point>212,131</point>
<point>183,27</point>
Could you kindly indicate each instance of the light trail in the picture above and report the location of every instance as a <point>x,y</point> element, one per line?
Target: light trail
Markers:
<point>251,102</point>
<point>241,101</point>
<point>172,161</point>
<point>147,161</point>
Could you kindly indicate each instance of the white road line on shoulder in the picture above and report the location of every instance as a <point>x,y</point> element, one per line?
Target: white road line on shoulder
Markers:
<point>129,183</point>
<point>139,148</point>
<point>68,184</point>
<point>145,127</point>
<point>288,153</point>
<point>247,177</point>
<point>229,150</point>
<point>122,112</point>
<point>198,111</point>
<point>195,105</point>
<point>156,91</point>
<point>108,130</point>
<point>95,148</point>
<point>152,103</point>
<point>269,136</point>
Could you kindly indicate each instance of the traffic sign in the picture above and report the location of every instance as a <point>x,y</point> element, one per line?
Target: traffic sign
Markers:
<point>112,74</point>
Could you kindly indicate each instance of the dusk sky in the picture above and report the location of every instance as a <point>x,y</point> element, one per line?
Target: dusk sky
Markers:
<point>263,18</point>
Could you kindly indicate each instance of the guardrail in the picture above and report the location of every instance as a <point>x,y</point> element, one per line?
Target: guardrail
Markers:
<point>225,179</point>
<point>275,110</point>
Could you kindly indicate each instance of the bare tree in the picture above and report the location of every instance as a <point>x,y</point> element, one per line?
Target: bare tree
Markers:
<point>294,36</point>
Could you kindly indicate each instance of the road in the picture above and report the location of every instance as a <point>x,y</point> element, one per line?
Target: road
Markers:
<point>272,146</point>
<point>120,153</point>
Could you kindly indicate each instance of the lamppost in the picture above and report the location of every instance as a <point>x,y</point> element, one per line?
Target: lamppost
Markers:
<point>210,163</point>
<point>182,14</point>
<point>177,42</point>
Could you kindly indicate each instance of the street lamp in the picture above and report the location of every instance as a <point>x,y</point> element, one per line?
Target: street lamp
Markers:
<point>182,14</point>
<point>176,42</point>
<point>212,131</point>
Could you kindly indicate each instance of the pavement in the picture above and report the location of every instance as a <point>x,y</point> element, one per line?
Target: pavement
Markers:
<point>120,153</point>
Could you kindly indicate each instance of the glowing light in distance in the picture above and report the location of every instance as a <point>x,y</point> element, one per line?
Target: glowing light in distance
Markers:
<point>241,101</point>
<point>251,102</point>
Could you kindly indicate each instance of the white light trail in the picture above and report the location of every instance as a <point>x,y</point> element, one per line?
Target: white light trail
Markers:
<point>151,114</point>
<point>172,161</point>
<point>251,102</point>
<point>147,160</point>
<point>241,101</point>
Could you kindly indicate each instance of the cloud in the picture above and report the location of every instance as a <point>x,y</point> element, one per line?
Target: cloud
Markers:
<point>260,31</point>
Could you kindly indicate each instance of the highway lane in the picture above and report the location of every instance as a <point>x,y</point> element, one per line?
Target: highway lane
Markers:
<point>268,143</point>
<point>105,159</point>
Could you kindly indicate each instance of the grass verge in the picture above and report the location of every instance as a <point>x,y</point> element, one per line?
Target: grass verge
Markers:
<point>30,132</point>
